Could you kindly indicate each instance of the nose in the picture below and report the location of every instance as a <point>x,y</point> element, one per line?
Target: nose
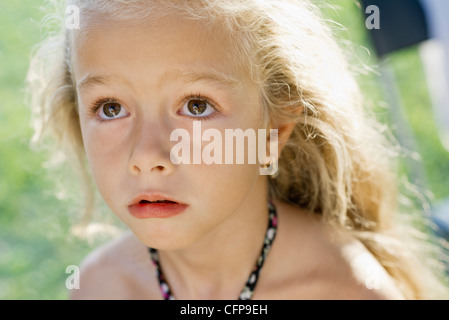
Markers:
<point>150,153</point>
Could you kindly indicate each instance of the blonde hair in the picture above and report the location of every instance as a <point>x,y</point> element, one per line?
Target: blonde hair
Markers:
<point>337,162</point>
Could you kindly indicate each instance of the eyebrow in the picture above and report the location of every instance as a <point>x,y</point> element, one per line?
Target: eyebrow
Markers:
<point>217,77</point>
<point>212,75</point>
<point>93,80</point>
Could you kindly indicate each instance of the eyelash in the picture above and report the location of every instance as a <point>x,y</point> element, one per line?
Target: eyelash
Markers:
<point>198,96</point>
<point>100,102</point>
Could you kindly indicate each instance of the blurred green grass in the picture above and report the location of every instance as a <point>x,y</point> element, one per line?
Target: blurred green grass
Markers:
<point>35,245</point>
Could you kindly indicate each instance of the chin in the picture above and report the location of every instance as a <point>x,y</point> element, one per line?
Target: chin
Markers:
<point>161,240</point>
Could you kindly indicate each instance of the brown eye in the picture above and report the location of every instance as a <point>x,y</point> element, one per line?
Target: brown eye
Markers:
<point>197,107</point>
<point>112,110</point>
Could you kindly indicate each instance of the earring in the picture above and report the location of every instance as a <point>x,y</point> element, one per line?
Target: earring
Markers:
<point>271,168</point>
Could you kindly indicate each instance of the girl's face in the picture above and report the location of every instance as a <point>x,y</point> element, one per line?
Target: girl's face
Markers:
<point>137,83</point>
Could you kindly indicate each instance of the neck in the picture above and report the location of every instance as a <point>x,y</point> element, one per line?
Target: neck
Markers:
<point>218,265</point>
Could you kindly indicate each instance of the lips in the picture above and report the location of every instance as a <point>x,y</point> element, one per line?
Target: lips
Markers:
<point>157,201</point>
<point>153,198</point>
<point>152,205</point>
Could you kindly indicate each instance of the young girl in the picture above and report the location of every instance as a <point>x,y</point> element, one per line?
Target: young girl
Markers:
<point>323,227</point>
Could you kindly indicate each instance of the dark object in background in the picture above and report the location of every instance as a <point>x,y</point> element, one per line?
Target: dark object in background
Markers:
<point>405,23</point>
<point>402,24</point>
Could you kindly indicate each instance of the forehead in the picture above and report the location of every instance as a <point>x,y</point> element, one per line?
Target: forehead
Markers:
<point>156,45</point>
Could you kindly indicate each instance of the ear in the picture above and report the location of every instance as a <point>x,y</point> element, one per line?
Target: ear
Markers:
<point>284,133</point>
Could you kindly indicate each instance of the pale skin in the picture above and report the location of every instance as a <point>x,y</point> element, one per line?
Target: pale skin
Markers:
<point>150,70</point>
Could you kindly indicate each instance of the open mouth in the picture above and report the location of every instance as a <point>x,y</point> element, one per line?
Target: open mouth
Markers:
<point>146,206</point>
<point>157,201</point>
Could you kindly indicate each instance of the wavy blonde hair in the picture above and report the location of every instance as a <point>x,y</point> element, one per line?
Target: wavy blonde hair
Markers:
<point>337,162</point>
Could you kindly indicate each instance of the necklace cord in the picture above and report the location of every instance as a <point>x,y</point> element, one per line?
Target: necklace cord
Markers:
<point>248,290</point>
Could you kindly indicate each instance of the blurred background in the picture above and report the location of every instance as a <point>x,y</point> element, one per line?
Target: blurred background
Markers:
<point>35,218</point>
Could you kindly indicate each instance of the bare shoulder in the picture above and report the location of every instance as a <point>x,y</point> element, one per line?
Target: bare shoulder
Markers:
<point>119,269</point>
<point>359,274</point>
<point>314,261</point>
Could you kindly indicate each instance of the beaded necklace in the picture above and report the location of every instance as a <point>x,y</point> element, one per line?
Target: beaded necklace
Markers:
<point>248,290</point>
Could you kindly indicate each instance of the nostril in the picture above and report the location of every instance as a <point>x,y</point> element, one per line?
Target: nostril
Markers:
<point>137,170</point>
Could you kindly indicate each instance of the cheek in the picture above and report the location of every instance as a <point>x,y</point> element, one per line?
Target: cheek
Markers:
<point>224,186</point>
<point>87,135</point>
<point>103,156</point>
<point>92,142</point>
